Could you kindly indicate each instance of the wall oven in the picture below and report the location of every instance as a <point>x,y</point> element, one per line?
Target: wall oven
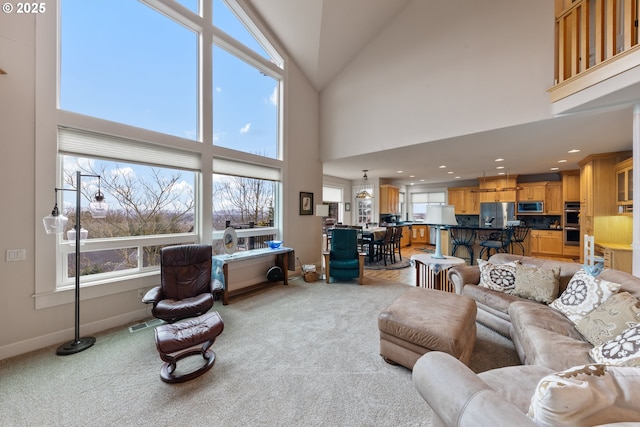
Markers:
<point>571,226</point>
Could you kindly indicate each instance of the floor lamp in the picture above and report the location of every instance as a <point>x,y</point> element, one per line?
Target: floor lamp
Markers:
<point>55,224</point>
<point>439,216</point>
<point>323,211</point>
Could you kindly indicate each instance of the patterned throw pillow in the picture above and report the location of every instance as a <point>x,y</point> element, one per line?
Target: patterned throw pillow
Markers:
<point>499,277</point>
<point>623,350</point>
<point>587,395</point>
<point>610,318</point>
<point>536,284</point>
<point>584,293</point>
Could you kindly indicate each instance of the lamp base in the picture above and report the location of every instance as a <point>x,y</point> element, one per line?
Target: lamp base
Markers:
<point>75,346</point>
<point>436,256</point>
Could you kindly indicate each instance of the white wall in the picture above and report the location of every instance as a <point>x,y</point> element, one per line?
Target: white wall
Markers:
<point>26,328</point>
<point>442,69</point>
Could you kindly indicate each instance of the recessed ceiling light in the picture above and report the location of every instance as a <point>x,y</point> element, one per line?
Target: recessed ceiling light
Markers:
<point>412,176</point>
<point>411,183</point>
<point>562,161</point>
<point>442,166</point>
<point>575,150</point>
<point>499,160</point>
<point>399,171</point>
<point>500,173</point>
<point>422,180</point>
<point>457,177</point>
<point>555,169</point>
<point>450,172</point>
<point>499,167</point>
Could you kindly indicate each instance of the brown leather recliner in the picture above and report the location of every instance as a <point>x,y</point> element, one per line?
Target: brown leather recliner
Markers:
<point>186,288</point>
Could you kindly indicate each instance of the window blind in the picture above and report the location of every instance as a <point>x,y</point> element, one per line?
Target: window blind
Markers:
<point>248,170</point>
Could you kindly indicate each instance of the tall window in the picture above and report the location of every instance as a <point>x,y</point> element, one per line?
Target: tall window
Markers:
<point>420,201</point>
<point>136,108</point>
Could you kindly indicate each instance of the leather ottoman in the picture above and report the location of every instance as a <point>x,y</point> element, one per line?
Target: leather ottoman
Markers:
<point>424,320</point>
<point>188,337</point>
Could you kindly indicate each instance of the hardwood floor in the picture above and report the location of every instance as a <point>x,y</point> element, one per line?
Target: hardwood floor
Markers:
<point>403,275</point>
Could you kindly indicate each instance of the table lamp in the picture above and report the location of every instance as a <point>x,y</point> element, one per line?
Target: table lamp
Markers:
<point>440,215</point>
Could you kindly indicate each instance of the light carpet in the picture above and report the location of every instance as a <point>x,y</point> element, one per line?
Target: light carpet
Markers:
<point>306,354</point>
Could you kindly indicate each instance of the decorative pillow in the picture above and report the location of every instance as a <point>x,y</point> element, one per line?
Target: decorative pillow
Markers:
<point>537,284</point>
<point>584,293</point>
<point>499,277</point>
<point>586,395</point>
<point>623,350</point>
<point>610,318</point>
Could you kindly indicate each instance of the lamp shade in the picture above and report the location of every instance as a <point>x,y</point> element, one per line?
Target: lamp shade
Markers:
<point>441,215</point>
<point>54,223</point>
<point>322,210</point>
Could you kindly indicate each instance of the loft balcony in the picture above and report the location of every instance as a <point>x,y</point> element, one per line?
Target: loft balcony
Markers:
<point>596,41</point>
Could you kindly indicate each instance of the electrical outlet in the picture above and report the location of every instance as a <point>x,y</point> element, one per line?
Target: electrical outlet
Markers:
<point>16,255</point>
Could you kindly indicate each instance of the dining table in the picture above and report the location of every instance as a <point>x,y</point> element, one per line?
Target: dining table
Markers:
<point>369,236</point>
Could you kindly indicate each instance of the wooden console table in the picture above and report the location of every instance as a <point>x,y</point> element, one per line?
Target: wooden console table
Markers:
<point>284,258</point>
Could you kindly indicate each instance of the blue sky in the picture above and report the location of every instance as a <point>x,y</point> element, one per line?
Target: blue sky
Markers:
<point>125,62</point>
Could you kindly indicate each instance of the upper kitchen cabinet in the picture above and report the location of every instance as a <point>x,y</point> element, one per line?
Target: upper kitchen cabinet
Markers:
<point>465,200</point>
<point>534,191</point>
<point>389,199</point>
<point>497,189</point>
<point>553,198</point>
<point>624,186</point>
<point>571,185</point>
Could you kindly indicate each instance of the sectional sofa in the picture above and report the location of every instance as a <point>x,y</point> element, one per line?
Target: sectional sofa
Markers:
<point>561,319</point>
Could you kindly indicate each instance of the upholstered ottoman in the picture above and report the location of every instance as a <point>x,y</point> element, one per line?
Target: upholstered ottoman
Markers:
<point>188,337</point>
<point>424,320</point>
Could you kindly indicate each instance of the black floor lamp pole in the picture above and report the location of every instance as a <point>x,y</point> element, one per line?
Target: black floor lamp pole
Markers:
<point>78,344</point>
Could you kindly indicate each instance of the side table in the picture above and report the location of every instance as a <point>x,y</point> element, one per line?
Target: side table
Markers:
<point>432,272</point>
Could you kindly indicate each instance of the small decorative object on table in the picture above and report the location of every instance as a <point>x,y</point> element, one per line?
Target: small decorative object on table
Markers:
<point>274,244</point>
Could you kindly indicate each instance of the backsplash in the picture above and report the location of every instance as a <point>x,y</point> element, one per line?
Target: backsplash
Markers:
<point>535,221</point>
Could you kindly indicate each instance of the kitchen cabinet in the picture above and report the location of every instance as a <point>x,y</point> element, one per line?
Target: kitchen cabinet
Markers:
<point>406,236</point>
<point>571,185</point>
<point>389,199</point>
<point>553,199</point>
<point>532,192</point>
<point>419,234</point>
<point>624,186</point>
<point>598,193</point>
<point>616,256</point>
<point>465,200</point>
<point>497,189</point>
<point>546,242</point>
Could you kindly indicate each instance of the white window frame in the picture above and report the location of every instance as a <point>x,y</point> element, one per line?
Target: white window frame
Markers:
<point>49,290</point>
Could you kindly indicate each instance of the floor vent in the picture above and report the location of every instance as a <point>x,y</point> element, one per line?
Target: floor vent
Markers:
<point>144,325</point>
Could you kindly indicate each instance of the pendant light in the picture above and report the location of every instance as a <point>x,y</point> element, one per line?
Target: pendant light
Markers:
<point>363,190</point>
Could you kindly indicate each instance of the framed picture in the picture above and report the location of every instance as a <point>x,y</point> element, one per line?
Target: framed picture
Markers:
<point>306,203</point>
<point>347,206</point>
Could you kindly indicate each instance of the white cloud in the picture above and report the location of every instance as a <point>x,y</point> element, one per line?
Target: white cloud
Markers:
<point>274,96</point>
<point>218,89</point>
<point>245,128</point>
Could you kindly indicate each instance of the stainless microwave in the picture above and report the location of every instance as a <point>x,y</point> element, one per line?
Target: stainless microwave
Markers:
<point>530,207</point>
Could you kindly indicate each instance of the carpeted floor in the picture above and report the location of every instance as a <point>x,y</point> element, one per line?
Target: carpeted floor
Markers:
<point>299,355</point>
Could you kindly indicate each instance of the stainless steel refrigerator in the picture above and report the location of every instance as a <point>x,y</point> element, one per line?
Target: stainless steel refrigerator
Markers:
<point>496,214</point>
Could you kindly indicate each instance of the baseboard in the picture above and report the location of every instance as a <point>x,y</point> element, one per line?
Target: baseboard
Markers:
<point>59,337</point>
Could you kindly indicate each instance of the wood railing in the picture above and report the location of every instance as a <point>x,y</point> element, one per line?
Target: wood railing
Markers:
<point>591,35</point>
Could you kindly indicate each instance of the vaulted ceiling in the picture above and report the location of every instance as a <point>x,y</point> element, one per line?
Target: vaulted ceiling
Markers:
<point>322,37</point>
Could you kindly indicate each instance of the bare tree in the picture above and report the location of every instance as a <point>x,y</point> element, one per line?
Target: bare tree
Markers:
<point>244,200</point>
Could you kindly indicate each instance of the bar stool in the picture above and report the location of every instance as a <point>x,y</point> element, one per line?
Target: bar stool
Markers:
<point>463,237</point>
<point>498,242</point>
<point>519,235</point>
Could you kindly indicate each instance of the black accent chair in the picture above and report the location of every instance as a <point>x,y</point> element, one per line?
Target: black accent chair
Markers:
<point>186,288</point>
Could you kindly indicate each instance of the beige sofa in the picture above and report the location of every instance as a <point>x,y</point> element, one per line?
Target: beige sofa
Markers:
<point>545,339</point>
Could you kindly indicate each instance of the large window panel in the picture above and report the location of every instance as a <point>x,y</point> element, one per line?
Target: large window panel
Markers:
<point>129,64</point>
<point>224,19</point>
<point>245,106</point>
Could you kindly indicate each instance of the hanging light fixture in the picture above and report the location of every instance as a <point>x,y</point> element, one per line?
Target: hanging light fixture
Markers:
<point>363,190</point>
